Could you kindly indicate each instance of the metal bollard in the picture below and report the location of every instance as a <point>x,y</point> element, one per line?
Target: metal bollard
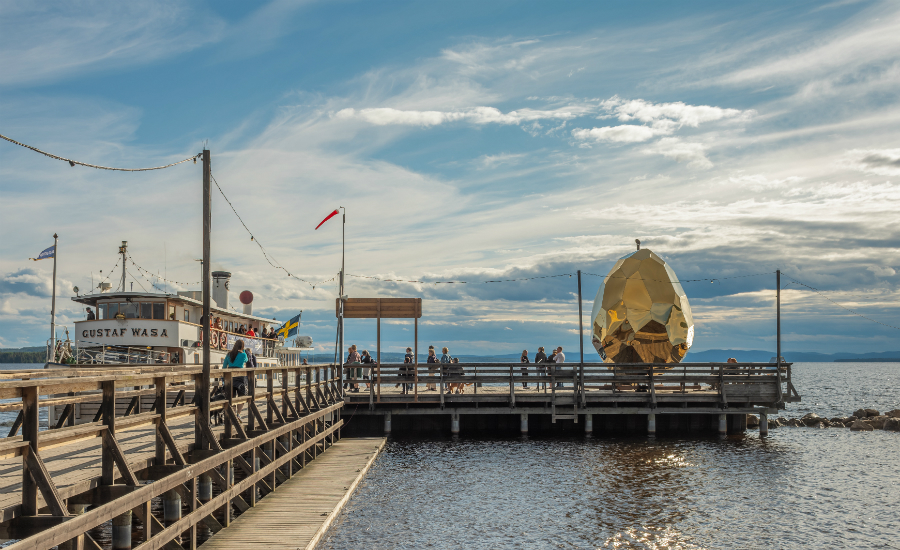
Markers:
<point>204,491</point>
<point>454,423</point>
<point>588,423</point>
<point>121,531</point>
<point>171,506</point>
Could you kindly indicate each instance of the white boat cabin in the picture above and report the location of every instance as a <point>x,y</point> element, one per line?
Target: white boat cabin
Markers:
<point>144,327</point>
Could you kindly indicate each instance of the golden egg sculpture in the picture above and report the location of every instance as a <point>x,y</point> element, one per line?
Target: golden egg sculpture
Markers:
<point>641,313</point>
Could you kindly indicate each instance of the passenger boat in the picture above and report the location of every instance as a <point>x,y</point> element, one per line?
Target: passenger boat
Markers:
<point>164,328</point>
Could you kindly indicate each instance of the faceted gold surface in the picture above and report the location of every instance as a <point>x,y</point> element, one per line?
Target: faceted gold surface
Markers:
<point>641,313</point>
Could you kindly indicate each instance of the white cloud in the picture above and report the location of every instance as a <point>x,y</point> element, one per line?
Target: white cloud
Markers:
<point>882,271</point>
<point>694,154</point>
<point>678,112</point>
<point>625,133</point>
<point>883,162</point>
<point>384,116</point>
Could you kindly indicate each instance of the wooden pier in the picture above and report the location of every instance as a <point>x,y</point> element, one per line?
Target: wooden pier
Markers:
<point>300,513</point>
<point>141,440</point>
<point>59,484</point>
<point>716,396</point>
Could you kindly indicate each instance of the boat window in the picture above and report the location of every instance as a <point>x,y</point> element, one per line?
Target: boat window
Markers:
<point>113,310</point>
<point>132,310</point>
<point>171,313</point>
<point>159,311</point>
<point>187,315</point>
<point>101,311</point>
<point>146,310</point>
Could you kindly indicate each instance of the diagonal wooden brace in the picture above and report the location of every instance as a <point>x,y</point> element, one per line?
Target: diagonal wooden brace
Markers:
<point>236,422</point>
<point>110,445</point>
<point>166,435</point>
<point>255,411</point>
<point>41,477</point>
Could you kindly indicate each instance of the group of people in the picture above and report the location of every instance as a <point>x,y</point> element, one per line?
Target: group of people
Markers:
<point>265,332</point>
<point>354,358</point>
<point>545,364</point>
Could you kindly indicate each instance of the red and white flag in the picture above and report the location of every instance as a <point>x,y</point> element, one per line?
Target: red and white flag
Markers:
<point>328,217</point>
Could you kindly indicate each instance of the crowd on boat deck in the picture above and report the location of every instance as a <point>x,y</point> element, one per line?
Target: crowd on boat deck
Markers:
<point>543,364</point>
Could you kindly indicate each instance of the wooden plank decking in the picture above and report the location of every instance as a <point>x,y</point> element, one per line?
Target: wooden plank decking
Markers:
<point>299,512</point>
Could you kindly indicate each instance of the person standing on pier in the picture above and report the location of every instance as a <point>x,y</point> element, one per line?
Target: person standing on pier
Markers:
<point>524,360</point>
<point>237,359</point>
<point>540,359</point>
<point>445,360</point>
<point>559,359</point>
<point>432,369</point>
<point>353,358</point>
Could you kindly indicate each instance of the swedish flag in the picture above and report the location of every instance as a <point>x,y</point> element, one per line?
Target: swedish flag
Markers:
<point>291,328</point>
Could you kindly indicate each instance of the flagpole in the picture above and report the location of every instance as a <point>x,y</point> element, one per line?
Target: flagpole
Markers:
<point>52,354</point>
<point>341,320</point>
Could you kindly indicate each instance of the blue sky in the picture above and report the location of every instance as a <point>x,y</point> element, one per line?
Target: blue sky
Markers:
<point>468,141</point>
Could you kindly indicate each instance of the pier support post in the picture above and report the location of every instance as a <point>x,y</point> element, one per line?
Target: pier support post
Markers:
<point>454,423</point>
<point>523,423</point>
<point>387,423</point>
<point>171,506</point>
<point>723,424</point>
<point>651,424</point>
<point>205,489</point>
<point>73,544</point>
<point>588,423</point>
<point>121,531</point>
<point>763,424</point>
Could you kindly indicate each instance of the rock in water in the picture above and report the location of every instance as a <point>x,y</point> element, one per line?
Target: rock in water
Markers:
<point>878,422</point>
<point>860,413</point>
<point>872,412</point>
<point>892,425</point>
<point>811,419</point>
<point>860,426</point>
<point>894,413</point>
<point>752,421</point>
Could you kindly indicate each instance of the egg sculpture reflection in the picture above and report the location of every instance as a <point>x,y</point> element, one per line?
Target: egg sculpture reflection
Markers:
<point>641,313</point>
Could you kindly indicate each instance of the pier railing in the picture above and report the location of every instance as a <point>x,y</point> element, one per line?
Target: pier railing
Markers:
<point>293,413</point>
<point>725,382</point>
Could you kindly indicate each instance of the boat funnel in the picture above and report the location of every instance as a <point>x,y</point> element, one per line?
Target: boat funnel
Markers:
<point>220,288</point>
<point>247,299</point>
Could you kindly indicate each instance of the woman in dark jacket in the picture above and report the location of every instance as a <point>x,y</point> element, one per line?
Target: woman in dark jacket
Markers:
<point>524,360</point>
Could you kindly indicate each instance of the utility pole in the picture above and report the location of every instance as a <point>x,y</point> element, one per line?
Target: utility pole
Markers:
<point>580,341</point>
<point>122,250</point>
<point>202,388</point>
<point>341,320</point>
<point>778,318</point>
<point>52,354</point>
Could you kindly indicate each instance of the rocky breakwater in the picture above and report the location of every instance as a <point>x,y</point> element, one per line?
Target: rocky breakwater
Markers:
<point>863,420</point>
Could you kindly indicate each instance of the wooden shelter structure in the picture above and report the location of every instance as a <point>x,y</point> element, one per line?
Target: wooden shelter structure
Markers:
<point>384,308</point>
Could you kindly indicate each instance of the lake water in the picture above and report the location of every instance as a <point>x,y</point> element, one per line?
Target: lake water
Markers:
<point>797,488</point>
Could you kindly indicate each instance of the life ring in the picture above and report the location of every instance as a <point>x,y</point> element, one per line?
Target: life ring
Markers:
<point>214,339</point>
<point>223,341</point>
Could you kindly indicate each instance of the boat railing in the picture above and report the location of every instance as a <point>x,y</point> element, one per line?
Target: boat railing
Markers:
<point>224,340</point>
<point>107,355</point>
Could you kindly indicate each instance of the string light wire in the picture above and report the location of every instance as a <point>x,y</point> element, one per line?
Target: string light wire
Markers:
<point>269,258</point>
<point>819,292</point>
<point>74,162</point>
